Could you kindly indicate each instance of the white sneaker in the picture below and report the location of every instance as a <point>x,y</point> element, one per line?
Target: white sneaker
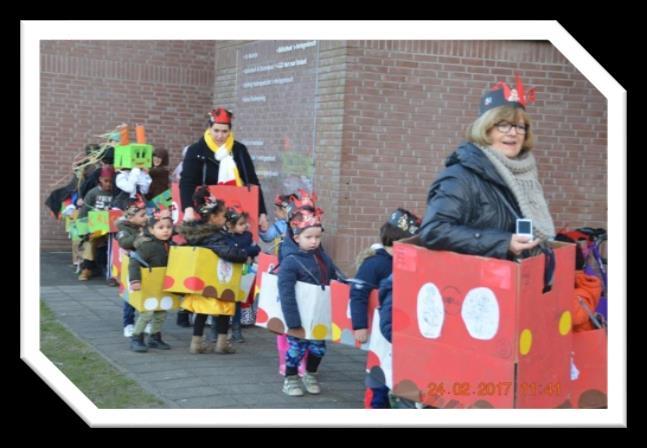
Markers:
<point>147,330</point>
<point>291,386</point>
<point>311,383</point>
<point>128,330</point>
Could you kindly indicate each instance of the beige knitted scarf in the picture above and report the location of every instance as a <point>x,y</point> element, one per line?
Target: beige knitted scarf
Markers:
<point>520,175</point>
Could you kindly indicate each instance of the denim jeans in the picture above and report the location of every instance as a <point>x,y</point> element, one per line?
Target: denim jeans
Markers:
<point>129,314</point>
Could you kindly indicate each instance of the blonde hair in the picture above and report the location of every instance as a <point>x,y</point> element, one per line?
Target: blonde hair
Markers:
<point>363,255</point>
<point>477,133</point>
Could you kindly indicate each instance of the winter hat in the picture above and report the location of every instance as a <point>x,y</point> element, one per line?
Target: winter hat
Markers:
<point>107,171</point>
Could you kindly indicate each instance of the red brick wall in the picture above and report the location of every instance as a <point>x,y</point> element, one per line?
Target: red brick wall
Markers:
<point>407,105</point>
<point>89,87</point>
<point>388,114</point>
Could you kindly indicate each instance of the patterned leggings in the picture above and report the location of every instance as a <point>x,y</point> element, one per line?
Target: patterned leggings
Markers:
<point>296,351</point>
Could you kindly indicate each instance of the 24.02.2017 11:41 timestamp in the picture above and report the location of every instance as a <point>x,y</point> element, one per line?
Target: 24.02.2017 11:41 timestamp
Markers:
<point>500,388</point>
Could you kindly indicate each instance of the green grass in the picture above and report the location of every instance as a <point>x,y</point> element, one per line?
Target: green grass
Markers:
<point>105,386</point>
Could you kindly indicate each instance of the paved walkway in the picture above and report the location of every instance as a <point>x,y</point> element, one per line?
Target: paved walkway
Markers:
<point>247,379</point>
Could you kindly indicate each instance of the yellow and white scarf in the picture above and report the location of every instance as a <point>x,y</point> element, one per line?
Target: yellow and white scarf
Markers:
<point>228,171</point>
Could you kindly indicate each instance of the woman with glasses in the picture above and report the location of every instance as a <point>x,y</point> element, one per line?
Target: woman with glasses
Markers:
<point>489,182</point>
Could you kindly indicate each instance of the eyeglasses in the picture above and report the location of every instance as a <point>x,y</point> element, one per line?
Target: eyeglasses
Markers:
<point>506,126</point>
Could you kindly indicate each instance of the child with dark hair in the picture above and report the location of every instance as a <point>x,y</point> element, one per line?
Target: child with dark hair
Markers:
<point>159,173</point>
<point>209,231</point>
<point>98,198</point>
<point>152,249</point>
<point>129,227</point>
<point>240,236</point>
<point>376,266</point>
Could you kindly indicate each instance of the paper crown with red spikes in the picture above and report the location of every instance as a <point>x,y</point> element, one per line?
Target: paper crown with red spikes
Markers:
<point>305,218</point>
<point>302,211</point>
<point>502,95</point>
<point>299,200</point>
<point>220,116</point>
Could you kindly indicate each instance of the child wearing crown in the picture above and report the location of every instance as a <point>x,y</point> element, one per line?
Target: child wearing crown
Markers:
<point>239,236</point>
<point>302,259</point>
<point>375,266</point>
<point>152,249</point>
<point>209,231</point>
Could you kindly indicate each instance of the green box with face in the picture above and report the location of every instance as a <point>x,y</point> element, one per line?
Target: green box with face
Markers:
<point>134,155</point>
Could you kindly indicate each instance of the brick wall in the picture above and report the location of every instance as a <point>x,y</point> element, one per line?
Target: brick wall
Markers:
<point>89,87</point>
<point>388,114</point>
<point>408,103</point>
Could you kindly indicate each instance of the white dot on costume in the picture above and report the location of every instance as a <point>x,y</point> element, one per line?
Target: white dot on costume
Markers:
<point>431,311</point>
<point>348,310</point>
<point>480,313</point>
<point>166,303</point>
<point>150,304</point>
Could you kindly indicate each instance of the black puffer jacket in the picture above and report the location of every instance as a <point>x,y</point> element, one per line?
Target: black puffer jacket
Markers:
<point>464,212</point>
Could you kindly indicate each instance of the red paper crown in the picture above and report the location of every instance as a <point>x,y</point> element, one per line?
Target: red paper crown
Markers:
<point>220,116</point>
<point>501,94</point>
<point>306,217</point>
<point>304,199</point>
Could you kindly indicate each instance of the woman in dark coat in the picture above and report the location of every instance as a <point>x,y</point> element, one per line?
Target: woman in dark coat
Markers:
<point>218,159</point>
<point>489,182</point>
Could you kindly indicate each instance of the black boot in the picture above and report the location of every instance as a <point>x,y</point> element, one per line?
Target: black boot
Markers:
<point>155,341</point>
<point>137,343</point>
<point>183,319</point>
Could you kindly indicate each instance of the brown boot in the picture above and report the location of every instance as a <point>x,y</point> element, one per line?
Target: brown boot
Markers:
<point>199,345</point>
<point>85,274</point>
<point>223,346</point>
<point>207,346</point>
<point>196,344</point>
